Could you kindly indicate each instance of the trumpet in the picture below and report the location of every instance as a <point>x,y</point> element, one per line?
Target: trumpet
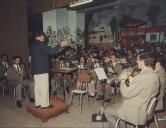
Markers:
<point>130,72</point>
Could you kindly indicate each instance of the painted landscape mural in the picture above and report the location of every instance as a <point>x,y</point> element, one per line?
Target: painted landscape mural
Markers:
<point>129,24</point>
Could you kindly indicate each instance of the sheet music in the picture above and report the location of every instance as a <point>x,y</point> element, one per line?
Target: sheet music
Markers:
<point>80,67</point>
<point>100,73</point>
<point>122,60</point>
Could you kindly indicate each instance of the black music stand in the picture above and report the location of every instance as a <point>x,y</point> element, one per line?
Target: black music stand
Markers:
<point>103,118</point>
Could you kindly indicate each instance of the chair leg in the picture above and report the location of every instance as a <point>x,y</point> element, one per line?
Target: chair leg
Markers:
<point>117,122</point>
<point>88,100</point>
<point>3,90</point>
<point>14,93</point>
<point>81,101</point>
<point>136,126</point>
<point>72,96</point>
<point>156,121</point>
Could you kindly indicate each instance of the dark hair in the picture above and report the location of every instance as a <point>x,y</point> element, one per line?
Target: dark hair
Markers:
<point>114,54</point>
<point>160,59</point>
<point>61,58</point>
<point>3,55</point>
<point>16,57</point>
<point>147,57</point>
<point>85,60</point>
<point>39,34</point>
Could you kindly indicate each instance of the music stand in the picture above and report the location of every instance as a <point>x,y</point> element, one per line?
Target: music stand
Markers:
<point>103,80</point>
<point>94,118</point>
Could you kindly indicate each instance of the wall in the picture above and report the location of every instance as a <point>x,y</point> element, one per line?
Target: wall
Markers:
<point>13,26</point>
<point>60,19</point>
<point>134,9</point>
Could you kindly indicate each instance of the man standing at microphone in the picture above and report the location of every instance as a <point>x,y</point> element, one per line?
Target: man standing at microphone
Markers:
<point>39,52</point>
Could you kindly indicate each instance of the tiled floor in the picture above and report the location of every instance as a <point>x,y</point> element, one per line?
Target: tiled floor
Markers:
<point>11,116</point>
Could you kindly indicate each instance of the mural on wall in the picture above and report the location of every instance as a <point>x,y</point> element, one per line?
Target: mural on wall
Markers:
<point>64,35</point>
<point>145,22</point>
<point>51,35</point>
<point>64,25</point>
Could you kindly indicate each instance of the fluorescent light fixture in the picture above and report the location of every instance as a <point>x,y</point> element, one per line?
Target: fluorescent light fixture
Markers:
<point>80,2</point>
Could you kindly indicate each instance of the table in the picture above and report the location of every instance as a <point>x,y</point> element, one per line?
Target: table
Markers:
<point>63,71</point>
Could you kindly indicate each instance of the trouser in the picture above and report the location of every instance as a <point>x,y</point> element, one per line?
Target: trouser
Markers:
<point>54,85</point>
<point>18,86</point>
<point>104,90</point>
<point>41,90</point>
<point>111,115</point>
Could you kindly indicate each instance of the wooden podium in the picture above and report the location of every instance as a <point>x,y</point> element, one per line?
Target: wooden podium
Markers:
<point>44,114</point>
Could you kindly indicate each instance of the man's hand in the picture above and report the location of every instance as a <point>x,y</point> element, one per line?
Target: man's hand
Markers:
<point>124,75</point>
<point>63,44</point>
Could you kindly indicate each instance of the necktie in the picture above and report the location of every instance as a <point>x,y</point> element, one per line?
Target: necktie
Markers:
<point>5,64</point>
<point>18,68</point>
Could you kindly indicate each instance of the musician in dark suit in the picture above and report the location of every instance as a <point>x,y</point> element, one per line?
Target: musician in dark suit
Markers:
<point>144,86</point>
<point>17,77</point>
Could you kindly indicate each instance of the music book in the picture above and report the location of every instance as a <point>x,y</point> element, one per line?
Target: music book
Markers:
<point>100,73</point>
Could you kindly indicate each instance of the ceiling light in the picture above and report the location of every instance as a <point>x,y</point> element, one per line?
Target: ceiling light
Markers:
<point>80,2</point>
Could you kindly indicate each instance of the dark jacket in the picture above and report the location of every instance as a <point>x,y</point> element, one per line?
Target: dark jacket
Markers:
<point>39,52</point>
<point>2,70</point>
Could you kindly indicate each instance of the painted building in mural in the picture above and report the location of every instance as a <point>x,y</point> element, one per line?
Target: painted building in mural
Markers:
<point>100,34</point>
<point>151,13</point>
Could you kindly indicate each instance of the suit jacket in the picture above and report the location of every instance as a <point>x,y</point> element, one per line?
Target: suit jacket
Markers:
<point>39,52</point>
<point>162,76</point>
<point>117,68</point>
<point>13,76</point>
<point>136,97</point>
<point>3,70</point>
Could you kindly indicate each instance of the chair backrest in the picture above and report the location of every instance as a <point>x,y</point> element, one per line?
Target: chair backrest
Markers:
<point>151,108</point>
<point>84,78</point>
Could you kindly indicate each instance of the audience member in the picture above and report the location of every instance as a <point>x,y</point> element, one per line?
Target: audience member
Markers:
<point>17,78</point>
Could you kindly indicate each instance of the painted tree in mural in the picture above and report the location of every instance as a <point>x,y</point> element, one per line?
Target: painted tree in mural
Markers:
<point>114,27</point>
<point>79,35</point>
<point>153,13</point>
<point>122,24</point>
<point>124,20</point>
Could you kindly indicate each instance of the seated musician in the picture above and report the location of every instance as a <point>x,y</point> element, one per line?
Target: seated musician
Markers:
<point>135,97</point>
<point>130,57</point>
<point>160,70</point>
<point>58,77</point>
<point>112,68</point>
<point>82,68</point>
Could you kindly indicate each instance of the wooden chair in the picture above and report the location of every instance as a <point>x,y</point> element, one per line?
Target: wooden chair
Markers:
<point>84,79</point>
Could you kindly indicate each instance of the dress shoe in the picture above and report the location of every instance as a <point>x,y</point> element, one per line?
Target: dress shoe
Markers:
<point>99,97</point>
<point>31,100</point>
<point>19,104</point>
<point>37,106</point>
<point>48,107</point>
<point>107,100</point>
<point>54,93</point>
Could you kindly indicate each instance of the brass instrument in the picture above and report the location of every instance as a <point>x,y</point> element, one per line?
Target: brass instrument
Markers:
<point>132,72</point>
